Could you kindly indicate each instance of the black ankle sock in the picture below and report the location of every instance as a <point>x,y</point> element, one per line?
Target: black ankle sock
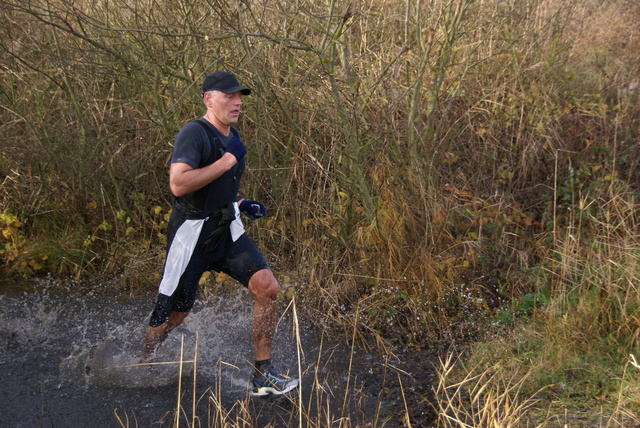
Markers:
<point>261,366</point>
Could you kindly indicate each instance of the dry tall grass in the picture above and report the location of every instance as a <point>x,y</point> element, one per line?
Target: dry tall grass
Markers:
<point>429,167</point>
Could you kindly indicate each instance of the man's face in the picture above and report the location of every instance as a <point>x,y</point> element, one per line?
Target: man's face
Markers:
<point>224,107</point>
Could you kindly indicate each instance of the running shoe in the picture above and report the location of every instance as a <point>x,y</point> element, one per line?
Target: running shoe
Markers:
<point>272,383</point>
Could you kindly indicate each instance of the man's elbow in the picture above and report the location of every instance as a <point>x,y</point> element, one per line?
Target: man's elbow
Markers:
<point>176,190</point>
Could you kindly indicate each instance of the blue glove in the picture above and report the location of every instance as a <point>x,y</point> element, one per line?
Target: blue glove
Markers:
<point>236,148</point>
<point>253,209</point>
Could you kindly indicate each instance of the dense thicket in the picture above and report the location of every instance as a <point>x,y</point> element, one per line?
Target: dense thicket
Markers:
<point>421,161</point>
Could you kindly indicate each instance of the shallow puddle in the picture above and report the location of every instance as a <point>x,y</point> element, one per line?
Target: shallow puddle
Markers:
<point>73,361</point>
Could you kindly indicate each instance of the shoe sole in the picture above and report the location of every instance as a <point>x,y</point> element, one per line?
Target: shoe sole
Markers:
<point>265,391</point>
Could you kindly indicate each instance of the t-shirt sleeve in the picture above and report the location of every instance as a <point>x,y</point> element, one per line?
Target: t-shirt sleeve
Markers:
<point>188,146</point>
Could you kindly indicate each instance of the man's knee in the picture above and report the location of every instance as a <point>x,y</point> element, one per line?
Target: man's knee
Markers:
<point>263,284</point>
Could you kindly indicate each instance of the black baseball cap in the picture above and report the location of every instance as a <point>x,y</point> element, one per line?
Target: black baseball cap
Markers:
<point>223,82</point>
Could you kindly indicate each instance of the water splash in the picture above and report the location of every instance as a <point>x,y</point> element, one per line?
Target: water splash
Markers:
<point>75,360</point>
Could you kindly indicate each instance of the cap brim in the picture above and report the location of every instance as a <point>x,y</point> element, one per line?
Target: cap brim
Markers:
<point>242,89</point>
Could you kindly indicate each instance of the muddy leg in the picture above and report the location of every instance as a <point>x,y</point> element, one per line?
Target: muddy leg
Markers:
<point>156,335</point>
<point>264,287</point>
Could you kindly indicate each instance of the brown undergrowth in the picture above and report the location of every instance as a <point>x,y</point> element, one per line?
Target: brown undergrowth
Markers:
<point>440,172</point>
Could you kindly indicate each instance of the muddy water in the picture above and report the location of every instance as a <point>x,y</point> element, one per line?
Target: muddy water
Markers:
<point>70,361</point>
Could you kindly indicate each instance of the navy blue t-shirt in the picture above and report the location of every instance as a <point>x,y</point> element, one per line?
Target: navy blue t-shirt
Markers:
<point>199,144</point>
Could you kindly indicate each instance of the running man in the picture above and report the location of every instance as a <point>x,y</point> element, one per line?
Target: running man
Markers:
<point>205,231</point>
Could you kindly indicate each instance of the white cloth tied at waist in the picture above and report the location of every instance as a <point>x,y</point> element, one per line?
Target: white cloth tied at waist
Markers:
<point>182,246</point>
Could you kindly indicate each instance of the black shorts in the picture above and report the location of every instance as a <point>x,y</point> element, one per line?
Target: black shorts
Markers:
<point>240,261</point>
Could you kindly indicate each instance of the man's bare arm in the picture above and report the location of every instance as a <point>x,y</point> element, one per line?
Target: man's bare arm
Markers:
<point>185,179</point>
